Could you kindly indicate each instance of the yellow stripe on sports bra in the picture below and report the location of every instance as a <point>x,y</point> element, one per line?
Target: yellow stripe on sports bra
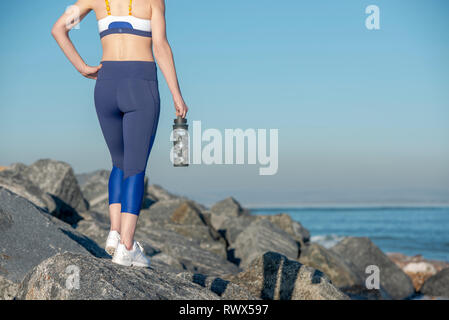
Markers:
<point>108,7</point>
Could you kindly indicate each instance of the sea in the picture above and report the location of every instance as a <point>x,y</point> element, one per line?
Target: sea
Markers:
<point>408,230</point>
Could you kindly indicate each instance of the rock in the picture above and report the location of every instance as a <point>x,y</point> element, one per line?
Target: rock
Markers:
<point>157,193</point>
<point>202,233</point>
<point>361,292</point>
<point>8,289</point>
<point>95,187</point>
<point>83,177</point>
<point>183,217</point>
<point>58,179</point>
<point>259,237</point>
<point>419,272</point>
<point>228,207</point>
<point>159,213</point>
<point>186,213</point>
<point>96,230</point>
<point>286,223</point>
<point>168,262</point>
<point>49,184</point>
<point>417,268</point>
<point>14,181</point>
<point>223,288</point>
<point>28,236</point>
<point>339,272</point>
<point>361,253</point>
<point>437,285</point>
<point>189,252</point>
<point>231,227</point>
<point>55,279</point>
<point>272,276</point>
<point>17,167</point>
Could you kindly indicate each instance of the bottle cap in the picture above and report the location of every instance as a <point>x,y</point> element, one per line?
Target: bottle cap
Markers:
<point>180,120</point>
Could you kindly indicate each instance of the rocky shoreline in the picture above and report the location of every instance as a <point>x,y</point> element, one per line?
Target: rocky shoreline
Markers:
<point>53,223</point>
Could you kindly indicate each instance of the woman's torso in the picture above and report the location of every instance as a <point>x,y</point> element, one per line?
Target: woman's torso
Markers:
<point>123,46</point>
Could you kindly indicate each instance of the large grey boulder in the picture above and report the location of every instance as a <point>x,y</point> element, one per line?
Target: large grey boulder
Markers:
<point>186,218</point>
<point>437,285</point>
<point>28,236</point>
<point>71,276</point>
<point>361,252</point>
<point>231,227</point>
<point>12,179</point>
<point>159,213</point>
<point>262,236</point>
<point>225,208</point>
<point>202,235</point>
<point>223,288</point>
<point>286,223</point>
<point>190,222</point>
<point>334,266</point>
<point>273,276</point>
<point>186,213</point>
<point>50,185</point>
<point>58,179</point>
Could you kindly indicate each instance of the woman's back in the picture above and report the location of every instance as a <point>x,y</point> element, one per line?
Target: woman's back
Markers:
<point>119,45</point>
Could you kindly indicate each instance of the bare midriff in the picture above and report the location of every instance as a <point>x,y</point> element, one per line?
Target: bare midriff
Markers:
<point>126,47</point>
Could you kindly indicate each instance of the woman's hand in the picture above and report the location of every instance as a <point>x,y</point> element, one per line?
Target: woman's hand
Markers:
<point>90,72</point>
<point>181,108</point>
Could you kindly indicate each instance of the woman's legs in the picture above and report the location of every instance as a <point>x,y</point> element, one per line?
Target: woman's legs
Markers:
<point>128,105</point>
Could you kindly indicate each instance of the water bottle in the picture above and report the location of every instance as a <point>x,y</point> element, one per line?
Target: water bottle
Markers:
<point>180,142</point>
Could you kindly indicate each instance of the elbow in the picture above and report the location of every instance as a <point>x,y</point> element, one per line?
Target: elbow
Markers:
<point>57,30</point>
<point>53,33</point>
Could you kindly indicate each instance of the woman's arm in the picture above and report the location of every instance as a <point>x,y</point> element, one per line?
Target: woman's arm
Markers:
<point>60,32</point>
<point>164,56</point>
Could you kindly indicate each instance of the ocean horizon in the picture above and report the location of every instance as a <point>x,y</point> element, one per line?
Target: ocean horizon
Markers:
<point>411,230</point>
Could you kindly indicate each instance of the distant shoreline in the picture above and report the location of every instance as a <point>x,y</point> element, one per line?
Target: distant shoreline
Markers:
<point>350,206</point>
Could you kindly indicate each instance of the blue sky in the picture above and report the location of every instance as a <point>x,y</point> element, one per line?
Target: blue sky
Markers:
<point>363,115</point>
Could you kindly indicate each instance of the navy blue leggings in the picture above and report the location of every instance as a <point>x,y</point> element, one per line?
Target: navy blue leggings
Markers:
<point>127,104</point>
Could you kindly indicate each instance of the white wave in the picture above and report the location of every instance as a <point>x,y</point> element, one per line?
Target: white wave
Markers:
<point>328,240</point>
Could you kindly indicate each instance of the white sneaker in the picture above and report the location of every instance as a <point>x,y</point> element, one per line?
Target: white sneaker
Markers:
<point>112,242</point>
<point>134,257</point>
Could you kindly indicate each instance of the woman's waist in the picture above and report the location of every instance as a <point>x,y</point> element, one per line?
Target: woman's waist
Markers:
<point>126,47</point>
<point>119,69</point>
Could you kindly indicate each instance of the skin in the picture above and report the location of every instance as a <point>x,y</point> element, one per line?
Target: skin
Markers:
<point>121,47</point>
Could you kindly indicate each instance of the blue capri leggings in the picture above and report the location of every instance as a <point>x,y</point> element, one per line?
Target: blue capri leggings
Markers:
<point>127,104</point>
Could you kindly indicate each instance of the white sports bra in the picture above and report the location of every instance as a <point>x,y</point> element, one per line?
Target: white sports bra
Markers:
<point>124,24</point>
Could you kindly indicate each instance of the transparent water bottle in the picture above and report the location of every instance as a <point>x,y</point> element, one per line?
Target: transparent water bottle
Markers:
<point>180,142</point>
